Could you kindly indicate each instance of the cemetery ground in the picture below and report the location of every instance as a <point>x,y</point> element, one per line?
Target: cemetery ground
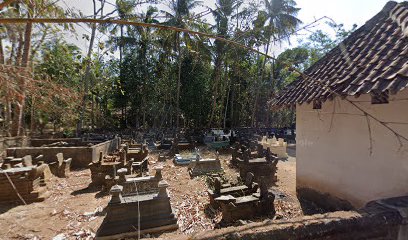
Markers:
<point>74,211</point>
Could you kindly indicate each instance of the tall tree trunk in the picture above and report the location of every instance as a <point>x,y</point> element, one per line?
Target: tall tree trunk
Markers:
<point>21,43</point>
<point>27,44</point>
<point>261,77</point>
<point>226,105</point>
<point>178,82</point>
<point>9,120</point>
<point>92,112</point>
<point>87,71</point>
<point>39,43</point>
<point>1,52</point>
<point>232,102</point>
<point>32,121</point>
<point>122,117</point>
<point>12,52</point>
<point>217,77</point>
<point>22,83</point>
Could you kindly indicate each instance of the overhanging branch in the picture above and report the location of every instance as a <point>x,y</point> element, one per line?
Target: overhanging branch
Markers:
<point>124,22</point>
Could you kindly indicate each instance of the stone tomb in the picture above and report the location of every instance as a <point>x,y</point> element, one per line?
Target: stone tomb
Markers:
<point>26,161</point>
<point>61,166</point>
<point>278,147</point>
<point>220,189</point>
<point>262,163</point>
<point>181,144</point>
<point>253,150</point>
<point>139,185</point>
<point>133,214</point>
<point>246,207</point>
<point>103,172</point>
<point>138,155</point>
<point>204,166</point>
<point>161,157</point>
<point>185,158</point>
<point>18,174</point>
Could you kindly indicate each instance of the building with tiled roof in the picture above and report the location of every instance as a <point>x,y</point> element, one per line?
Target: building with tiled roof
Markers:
<point>352,114</point>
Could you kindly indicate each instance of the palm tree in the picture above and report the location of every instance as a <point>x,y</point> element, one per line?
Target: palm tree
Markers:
<point>280,22</point>
<point>145,40</point>
<point>180,15</point>
<point>222,15</point>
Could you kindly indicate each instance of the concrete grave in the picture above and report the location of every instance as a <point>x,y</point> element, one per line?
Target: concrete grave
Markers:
<point>378,219</point>
<point>181,144</point>
<point>18,175</point>
<point>260,163</point>
<point>139,185</point>
<point>204,166</point>
<point>131,214</point>
<point>245,207</point>
<point>61,166</point>
<point>103,171</point>
<point>220,189</point>
<point>278,146</point>
<point>138,155</point>
<point>185,158</point>
<point>240,149</point>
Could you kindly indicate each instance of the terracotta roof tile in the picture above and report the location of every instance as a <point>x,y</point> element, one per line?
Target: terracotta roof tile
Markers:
<point>373,58</point>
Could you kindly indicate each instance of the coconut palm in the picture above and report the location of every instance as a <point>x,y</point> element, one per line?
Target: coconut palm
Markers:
<point>280,22</point>
<point>222,15</point>
<point>180,15</point>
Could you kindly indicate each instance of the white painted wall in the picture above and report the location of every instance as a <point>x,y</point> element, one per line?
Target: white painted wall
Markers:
<point>333,150</point>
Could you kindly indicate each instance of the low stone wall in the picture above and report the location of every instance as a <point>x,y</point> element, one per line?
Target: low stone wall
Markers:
<point>7,142</point>
<point>38,142</point>
<point>81,156</point>
<point>383,219</point>
<point>29,182</point>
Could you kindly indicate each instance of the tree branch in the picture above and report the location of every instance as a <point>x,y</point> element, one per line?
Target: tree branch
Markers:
<point>6,3</point>
<point>123,22</point>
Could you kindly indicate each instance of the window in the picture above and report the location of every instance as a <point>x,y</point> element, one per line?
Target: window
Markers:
<point>379,98</point>
<point>317,104</point>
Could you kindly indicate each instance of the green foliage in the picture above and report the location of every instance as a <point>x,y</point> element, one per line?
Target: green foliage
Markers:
<point>61,62</point>
<point>302,57</point>
<point>147,77</point>
<point>195,98</point>
<point>54,96</point>
<point>307,53</point>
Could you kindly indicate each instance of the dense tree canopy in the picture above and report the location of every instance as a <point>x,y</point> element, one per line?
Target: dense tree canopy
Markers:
<point>133,77</point>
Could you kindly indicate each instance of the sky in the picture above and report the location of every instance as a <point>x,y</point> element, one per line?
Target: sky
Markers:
<point>348,12</point>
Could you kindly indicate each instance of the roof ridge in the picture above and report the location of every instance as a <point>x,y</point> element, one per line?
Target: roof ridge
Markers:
<point>399,15</point>
<point>369,24</point>
<point>372,58</point>
<point>385,11</point>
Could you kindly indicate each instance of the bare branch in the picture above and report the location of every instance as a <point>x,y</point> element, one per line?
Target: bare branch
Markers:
<point>6,3</point>
<point>369,134</point>
<point>124,22</point>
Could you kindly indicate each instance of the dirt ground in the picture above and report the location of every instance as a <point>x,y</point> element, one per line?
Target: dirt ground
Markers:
<point>75,212</point>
